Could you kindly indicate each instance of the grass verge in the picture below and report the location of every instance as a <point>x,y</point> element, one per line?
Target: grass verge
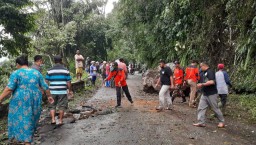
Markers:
<point>242,107</point>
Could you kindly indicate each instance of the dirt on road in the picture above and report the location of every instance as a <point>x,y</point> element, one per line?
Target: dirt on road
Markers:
<point>140,124</point>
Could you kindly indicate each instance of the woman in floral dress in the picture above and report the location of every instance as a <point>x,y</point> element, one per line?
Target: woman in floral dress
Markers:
<point>25,104</point>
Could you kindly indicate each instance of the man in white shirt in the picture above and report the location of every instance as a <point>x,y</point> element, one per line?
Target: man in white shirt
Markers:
<point>79,65</point>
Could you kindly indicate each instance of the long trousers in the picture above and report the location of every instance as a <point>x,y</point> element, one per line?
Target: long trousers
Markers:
<point>118,94</point>
<point>204,103</point>
<point>223,98</point>
<point>164,96</point>
<point>192,95</point>
<point>178,93</point>
<point>107,83</point>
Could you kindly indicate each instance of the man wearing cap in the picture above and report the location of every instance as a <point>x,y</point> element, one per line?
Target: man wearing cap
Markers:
<point>178,82</point>
<point>120,82</point>
<point>166,80</point>
<point>59,79</point>
<point>222,81</point>
<point>79,65</point>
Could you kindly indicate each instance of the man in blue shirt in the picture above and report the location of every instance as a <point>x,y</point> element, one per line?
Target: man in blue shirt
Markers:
<point>93,72</point>
<point>59,80</point>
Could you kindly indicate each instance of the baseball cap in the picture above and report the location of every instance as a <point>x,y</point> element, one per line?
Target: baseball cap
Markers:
<point>220,66</point>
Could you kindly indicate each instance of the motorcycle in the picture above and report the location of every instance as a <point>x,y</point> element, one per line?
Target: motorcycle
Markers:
<point>131,71</point>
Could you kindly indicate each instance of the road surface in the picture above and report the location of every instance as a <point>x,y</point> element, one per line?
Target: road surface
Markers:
<point>140,124</point>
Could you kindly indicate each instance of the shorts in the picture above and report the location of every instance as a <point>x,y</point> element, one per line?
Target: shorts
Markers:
<point>94,78</point>
<point>60,102</point>
<point>79,70</point>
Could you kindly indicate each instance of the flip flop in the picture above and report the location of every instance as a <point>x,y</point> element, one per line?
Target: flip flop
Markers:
<point>199,125</point>
<point>59,125</point>
<point>221,125</point>
<point>53,123</point>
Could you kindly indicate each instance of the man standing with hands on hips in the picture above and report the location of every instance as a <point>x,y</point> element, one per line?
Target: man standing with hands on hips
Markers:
<point>166,79</point>
<point>209,97</point>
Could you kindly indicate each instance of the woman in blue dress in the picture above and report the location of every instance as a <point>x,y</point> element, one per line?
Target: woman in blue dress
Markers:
<point>25,104</point>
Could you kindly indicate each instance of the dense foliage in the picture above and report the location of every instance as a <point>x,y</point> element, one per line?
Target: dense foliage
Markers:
<point>216,31</point>
<point>143,31</point>
<point>51,27</point>
<point>15,21</point>
<point>69,25</point>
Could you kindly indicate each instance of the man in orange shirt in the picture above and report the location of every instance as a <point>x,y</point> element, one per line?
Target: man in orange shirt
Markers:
<point>192,77</point>
<point>120,82</point>
<point>178,82</point>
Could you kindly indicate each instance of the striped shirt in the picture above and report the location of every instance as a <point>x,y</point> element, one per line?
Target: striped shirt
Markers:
<point>58,76</point>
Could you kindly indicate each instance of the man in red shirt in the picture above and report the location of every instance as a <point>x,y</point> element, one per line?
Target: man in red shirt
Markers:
<point>192,77</point>
<point>178,82</point>
<point>120,82</point>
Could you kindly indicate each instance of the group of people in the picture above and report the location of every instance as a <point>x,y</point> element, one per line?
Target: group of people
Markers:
<point>92,68</point>
<point>111,72</point>
<point>204,81</point>
<point>27,85</point>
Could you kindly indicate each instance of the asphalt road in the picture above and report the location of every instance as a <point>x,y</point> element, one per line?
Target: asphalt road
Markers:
<point>141,124</point>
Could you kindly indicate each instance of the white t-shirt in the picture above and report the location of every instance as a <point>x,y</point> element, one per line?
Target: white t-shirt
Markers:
<point>79,63</point>
<point>221,84</point>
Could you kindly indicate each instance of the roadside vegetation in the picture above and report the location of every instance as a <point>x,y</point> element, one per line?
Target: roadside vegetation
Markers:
<point>142,32</point>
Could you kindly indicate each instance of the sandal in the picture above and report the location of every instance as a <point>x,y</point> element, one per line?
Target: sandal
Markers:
<point>199,125</point>
<point>221,125</point>
<point>159,108</point>
<point>192,106</point>
<point>168,108</point>
<point>53,123</point>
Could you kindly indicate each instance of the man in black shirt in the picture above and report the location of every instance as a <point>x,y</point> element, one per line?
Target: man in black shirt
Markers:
<point>166,79</point>
<point>209,96</point>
